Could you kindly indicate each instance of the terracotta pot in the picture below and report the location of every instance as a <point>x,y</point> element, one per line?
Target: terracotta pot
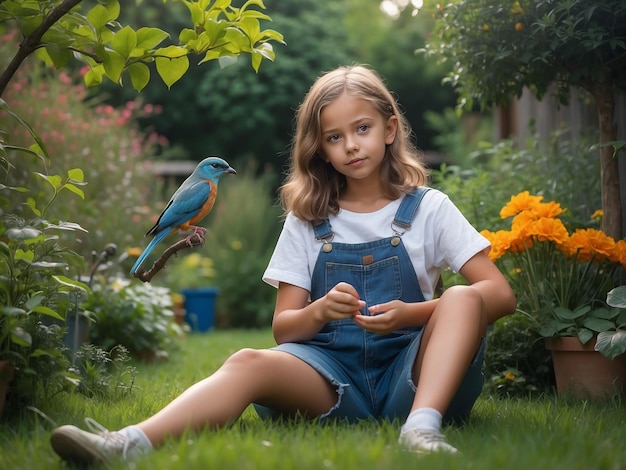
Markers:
<point>586,373</point>
<point>6,376</point>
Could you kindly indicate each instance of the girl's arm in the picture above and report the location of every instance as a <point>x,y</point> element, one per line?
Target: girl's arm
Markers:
<point>297,319</point>
<point>480,273</point>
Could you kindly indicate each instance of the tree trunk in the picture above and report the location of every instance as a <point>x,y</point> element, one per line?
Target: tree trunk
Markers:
<point>609,171</point>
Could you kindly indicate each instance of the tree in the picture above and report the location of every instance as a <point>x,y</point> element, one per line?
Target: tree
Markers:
<point>233,111</point>
<point>499,48</point>
<point>58,32</point>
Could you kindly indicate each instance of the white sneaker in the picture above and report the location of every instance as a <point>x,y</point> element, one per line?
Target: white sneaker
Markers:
<point>422,441</point>
<point>99,444</point>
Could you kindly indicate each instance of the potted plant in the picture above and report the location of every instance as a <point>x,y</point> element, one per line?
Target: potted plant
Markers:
<point>561,277</point>
<point>192,277</point>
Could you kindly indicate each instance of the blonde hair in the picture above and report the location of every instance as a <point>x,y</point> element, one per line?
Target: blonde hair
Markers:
<point>312,188</point>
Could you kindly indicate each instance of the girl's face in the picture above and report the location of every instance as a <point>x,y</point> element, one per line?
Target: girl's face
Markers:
<point>354,136</point>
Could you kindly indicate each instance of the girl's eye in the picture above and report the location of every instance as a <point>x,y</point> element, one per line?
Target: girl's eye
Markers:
<point>333,138</point>
<point>363,127</point>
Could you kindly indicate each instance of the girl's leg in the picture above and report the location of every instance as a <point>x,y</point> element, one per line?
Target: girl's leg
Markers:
<point>271,378</point>
<point>449,343</point>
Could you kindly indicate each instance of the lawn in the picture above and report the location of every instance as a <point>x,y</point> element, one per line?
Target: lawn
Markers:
<point>547,433</point>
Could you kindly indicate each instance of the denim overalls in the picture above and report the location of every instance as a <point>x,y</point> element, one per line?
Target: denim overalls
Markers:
<point>372,372</point>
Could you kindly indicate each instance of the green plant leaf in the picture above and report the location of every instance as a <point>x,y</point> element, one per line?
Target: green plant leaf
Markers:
<point>48,312</point>
<point>149,38</point>
<point>21,337</point>
<point>171,70</point>
<point>611,343</point>
<point>617,297</point>
<point>23,233</point>
<point>124,41</point>
<point>598,324</point>
<point>67,282</point>
<point>139,75</point>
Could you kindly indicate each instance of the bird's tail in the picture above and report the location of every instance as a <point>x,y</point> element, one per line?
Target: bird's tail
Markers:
<point>154,242</point>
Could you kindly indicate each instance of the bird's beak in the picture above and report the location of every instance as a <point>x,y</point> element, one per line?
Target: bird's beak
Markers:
<point>230,169</point>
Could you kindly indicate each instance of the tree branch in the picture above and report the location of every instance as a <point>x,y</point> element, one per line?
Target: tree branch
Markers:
<point>190,242</point>
<point>32,42</point>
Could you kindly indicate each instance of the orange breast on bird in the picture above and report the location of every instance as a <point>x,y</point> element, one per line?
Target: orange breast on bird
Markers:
<point>205,209</point>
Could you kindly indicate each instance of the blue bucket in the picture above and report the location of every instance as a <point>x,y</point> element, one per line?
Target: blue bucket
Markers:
<point>200,308</point>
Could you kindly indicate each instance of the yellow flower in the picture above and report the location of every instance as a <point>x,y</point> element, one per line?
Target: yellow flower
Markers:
<point>236,245</point>
<point>134,252</point>
<point>521,202</point>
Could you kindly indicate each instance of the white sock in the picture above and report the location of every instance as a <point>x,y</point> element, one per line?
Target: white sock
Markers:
<point>138,437</point>
<point>423,418</point>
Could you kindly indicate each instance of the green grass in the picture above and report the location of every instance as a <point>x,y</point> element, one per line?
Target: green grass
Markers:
<point>547,433</point>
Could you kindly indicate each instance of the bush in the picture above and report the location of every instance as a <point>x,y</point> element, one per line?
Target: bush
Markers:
<point>138,317</point>
<point>104,142</point>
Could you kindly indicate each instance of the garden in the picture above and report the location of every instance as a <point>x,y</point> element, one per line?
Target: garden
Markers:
<point>79,188</point>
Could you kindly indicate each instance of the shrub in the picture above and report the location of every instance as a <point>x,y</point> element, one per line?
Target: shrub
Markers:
<point>137,316</point>
<point>104,142</point>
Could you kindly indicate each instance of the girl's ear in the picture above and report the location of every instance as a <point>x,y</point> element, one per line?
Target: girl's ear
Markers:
<point>391,130</point>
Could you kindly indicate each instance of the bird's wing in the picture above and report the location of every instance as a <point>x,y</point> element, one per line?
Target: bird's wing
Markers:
<point>185,204</point>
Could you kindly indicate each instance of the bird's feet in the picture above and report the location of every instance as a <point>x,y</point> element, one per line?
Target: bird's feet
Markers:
<point>198,234</point>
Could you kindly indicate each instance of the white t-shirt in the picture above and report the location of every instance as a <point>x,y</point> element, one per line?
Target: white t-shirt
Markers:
<point>440,237</point>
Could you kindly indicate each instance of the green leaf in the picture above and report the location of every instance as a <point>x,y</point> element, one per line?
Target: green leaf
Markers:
<point>171,70</point>
<point>94,76</point>
<point>75,189</point>
<point>598,324</point>
<point>54,180</point>
<point>98,16</point>
<point>149,38</point>
<point>113,65</point>
<point>23,233</point>
<point>139,75</point>
<point>617,297</point>
<point>124,41</point>
<point>76,174</point>
<point>611,343</point>
<point>48,312</point>
<point>67,282</point>
<point>12,311</point>
<point>21,337</point>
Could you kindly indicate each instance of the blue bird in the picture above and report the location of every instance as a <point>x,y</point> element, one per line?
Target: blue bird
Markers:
<point>191,202</point>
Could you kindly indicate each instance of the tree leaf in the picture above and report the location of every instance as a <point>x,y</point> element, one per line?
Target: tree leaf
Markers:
<point>139,75</point>
<point>171,70</point>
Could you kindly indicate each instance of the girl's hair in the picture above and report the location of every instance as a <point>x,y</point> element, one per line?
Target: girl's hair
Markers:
<point>313,187</point>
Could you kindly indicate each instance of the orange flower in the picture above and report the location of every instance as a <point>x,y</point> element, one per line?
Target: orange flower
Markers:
<point>546,229</point>
<point>521,202</point>
<point>592,244</point>
<point>619,253</point>
<point>509,376</point>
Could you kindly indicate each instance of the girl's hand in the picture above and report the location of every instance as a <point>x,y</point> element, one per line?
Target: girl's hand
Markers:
<point>341,302</point>
<point>385,318</point>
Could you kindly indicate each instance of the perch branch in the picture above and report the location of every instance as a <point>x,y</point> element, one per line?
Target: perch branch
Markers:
<point>190,242</point>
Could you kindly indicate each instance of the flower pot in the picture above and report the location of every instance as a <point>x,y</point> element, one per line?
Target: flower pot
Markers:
<point>200,308</point>
<point>6,376</point>
<point>586,373</point>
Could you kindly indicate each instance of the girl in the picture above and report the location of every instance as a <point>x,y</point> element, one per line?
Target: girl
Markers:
<point>360,333</point>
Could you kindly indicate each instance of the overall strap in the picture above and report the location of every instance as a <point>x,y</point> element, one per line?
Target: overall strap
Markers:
<point>322,230</point>
<point>408,207</point>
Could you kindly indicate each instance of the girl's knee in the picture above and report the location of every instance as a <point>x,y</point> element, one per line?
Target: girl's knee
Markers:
<point>247,358</point>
